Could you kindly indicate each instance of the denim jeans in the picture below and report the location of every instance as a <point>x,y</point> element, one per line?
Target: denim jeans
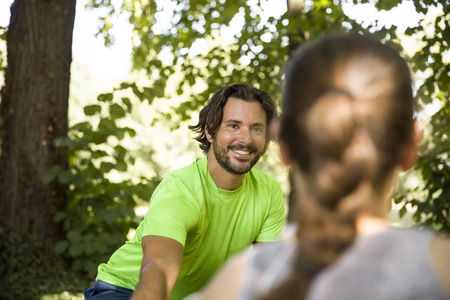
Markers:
<point>103,290</point>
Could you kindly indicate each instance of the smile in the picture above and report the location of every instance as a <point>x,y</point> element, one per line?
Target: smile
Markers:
<point>242,152</point>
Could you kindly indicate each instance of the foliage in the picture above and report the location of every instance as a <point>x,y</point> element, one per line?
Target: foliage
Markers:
<point>257,53</point>
<point>100,210</point>
<point>2,54</point>
<point>432,69</point>
<point>260,47</point>
<point>2,61</point>
<point>433,167</point>
<point>205,45</point>
<point>429,60</point>
<point>32,270</point>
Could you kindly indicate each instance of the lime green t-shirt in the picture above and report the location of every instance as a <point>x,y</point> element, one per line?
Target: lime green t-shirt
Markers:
<point>212,225</point>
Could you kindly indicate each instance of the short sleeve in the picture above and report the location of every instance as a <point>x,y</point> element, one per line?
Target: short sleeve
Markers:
<point>172,213</point>
<point>272,228</point>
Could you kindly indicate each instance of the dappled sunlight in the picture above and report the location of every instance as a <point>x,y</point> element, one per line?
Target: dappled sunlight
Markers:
<point>131,102</point>
<point>63,296</point>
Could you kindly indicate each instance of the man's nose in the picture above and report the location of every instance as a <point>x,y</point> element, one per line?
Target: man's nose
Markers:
<point>245,136</point>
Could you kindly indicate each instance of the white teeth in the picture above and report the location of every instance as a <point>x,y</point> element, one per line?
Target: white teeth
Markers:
<point>242,152</point>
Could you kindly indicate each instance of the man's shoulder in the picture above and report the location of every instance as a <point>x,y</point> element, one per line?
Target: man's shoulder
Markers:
<point>186,172</point>
<point>184,183</point>
<point>187,177</point>
<point>260,176</point>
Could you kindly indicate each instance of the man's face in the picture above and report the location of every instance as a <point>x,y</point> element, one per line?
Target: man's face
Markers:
<point>240,140</point>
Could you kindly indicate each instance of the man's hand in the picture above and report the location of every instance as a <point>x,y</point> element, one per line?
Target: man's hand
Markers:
<point>160,267</point>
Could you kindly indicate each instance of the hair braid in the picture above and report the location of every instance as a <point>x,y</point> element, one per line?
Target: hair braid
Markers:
<point>347,111</point>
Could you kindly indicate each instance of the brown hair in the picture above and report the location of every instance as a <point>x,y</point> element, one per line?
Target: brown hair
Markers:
<point>211,115</point>
<point>347,112</point>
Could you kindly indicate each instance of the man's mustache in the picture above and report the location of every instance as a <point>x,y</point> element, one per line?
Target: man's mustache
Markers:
<point>250,147</point>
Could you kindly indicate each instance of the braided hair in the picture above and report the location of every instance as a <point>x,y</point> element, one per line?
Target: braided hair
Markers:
<point>347,113</point>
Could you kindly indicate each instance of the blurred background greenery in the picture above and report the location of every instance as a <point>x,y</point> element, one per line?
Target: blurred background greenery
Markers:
<point>141,71</point>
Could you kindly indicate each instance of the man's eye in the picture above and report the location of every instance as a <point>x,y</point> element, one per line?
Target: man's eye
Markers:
<point>257,129</point>
<point>234,126</point>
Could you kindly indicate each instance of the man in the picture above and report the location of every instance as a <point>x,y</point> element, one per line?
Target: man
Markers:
<point>204,213</point>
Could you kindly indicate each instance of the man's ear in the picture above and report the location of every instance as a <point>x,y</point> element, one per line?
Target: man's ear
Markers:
<point>409,155</point>
<point>208,135</point>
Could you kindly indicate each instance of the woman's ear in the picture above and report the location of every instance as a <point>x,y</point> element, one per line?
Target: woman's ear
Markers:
<point>274,129</point>
<point>284,153</point>
<point>274,135</point>
<point>409,155</point>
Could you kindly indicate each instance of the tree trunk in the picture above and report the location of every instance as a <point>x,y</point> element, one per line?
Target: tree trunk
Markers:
<point>34,111</point>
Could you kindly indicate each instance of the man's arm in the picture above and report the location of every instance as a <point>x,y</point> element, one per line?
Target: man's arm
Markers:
<point>273,226</point>
<point>160,267</point>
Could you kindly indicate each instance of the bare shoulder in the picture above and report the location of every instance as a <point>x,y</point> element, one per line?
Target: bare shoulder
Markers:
<point>226,283</point>
<point>440,250</point>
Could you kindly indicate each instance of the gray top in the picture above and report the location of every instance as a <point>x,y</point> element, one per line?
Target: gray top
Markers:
<point>395,264</point>
<point>266,266</point>
<point>391,265</point>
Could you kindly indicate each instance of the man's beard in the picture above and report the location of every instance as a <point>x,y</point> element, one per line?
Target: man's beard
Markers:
<point>235,168</point>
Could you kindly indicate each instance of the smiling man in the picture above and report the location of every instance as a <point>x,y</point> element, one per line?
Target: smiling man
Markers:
<point>204,213</point>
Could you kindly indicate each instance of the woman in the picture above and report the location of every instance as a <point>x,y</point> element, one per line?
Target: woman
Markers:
<point>347,130</point>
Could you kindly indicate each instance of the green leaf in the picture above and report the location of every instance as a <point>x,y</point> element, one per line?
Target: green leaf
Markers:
<point>106,167</point>
<point>109,216</point>
<point>93,109</point>
<point>134,88</point>
<point>131,132</point>
<point>107,97</point>
<point>82,127</point>
<point>121,166</point>
<point>117,111</point>
<point>61,247</point>
<point>99,154</point>
<point>107,127</point>
<point>63,142</point>
<point>75,249</point>
<point>402,211</point>
<point>59,216</point>
<point>127,103</point>
<point>91,267</point>
<point>159,88</point>
<point>51,174</point>
<point>119,152</point>
<point>120,133</point>
<point>65,177</point>
<point>74,236</point>
<point>148,94</point>
<point>397,199</point>
<point>417,217</point>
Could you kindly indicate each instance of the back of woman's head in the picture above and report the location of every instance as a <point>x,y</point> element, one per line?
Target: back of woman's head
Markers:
<point>346,116</point>
<point>348,99</point>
